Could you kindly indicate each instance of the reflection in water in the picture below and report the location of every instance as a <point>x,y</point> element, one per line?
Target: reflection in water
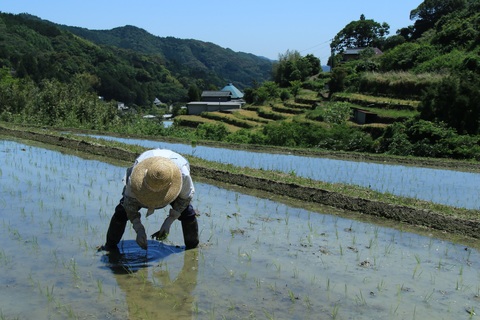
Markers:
<point>151,293</point>
<point>130,257</point>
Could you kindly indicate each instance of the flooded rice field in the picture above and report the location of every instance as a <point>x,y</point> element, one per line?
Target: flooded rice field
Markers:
<point>448,187</point>
<point>259,258</point>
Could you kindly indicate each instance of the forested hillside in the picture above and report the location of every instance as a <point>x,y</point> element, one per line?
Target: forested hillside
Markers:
<point>126,64</point>
<point>186,58</point>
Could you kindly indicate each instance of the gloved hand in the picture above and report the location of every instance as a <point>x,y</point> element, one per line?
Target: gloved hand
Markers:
<point>162,234</point>
<point>141,235</point>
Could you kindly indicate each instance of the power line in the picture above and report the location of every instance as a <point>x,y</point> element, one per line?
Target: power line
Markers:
<point>316,45</point>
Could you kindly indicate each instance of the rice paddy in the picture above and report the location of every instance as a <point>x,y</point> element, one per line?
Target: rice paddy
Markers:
<point>258,259</point>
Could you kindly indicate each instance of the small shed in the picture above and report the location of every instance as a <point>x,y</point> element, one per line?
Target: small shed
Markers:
<point>361,116</point>
<point>121,106</point>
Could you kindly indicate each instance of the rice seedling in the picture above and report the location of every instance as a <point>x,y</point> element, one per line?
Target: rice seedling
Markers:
<point>268,315</point>
<point>336,308</point>
<point>49,293</point>
<point>3,257</point>
<point>428,296</point>
<point>295,272</point>
<point>416,270</point>
<point>360,300</point>
<point>418,259</point>
<point>100,286</point>
<point>292,296</point>
<point>389,248</point>
<point>381,285</point>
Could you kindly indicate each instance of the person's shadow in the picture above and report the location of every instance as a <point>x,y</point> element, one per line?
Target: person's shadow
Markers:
<point>130,257</point>
<point>150,292</point>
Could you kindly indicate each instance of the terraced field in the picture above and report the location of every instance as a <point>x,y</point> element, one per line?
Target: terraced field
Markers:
<point>254,117</point>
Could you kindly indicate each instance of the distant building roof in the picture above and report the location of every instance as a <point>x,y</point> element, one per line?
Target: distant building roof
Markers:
<point>350,53</point>
<point>216,94</point>
<point>236,94</point>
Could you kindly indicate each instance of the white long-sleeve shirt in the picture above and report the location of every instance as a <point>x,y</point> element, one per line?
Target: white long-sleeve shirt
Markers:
<point>132,205</point>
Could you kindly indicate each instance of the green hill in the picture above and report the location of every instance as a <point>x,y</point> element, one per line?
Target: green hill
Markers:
<point>128,63</point>
<point>185,56</point>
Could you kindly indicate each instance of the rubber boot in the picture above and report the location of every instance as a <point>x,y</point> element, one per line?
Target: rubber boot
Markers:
<point>190,233</point>
<point>116,228</point>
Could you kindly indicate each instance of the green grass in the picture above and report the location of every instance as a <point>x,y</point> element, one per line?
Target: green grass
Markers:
<point>391,113</point>
<point>357,97</point>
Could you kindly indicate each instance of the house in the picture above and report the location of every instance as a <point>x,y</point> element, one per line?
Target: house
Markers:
<point>226,99</point>
<point>354,53</point>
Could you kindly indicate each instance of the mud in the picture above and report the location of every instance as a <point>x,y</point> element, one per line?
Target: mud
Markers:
<point>402,214</point>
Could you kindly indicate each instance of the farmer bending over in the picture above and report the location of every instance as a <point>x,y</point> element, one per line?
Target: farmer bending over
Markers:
<point>157,178</point>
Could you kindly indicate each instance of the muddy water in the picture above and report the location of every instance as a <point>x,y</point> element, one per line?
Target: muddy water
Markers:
<point>259,258</point>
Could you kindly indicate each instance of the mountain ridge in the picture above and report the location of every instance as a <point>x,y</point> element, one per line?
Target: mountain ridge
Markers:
<point>238,67</point>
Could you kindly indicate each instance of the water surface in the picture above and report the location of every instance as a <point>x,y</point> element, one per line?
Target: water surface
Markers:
<point>258,259</point>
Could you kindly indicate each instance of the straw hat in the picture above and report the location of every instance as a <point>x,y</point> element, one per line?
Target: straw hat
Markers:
<point>155,182</point>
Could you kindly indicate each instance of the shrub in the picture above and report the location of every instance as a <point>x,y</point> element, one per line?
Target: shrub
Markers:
<point>284,95</point>
<point>428,139</point>
<point>343,138</point>
<point>336,112</point>
<point>212,131</point>
<point>454,101</point>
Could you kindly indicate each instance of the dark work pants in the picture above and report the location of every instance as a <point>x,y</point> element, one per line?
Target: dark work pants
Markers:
<point>118,222</point>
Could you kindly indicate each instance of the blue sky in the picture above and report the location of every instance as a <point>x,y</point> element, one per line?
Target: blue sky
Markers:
<point>264,28</point>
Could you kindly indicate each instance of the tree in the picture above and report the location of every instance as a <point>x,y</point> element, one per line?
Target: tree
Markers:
<point>295,87</point>
<point>314,64</point>
<point>338,79</point>
<point>456,102</point>
<point>193,93</point>
<point>292,66</point>
<point>430,11</point>
<point>360,34</point>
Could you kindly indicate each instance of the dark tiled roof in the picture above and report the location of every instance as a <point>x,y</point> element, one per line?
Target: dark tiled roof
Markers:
<point>216,94</point>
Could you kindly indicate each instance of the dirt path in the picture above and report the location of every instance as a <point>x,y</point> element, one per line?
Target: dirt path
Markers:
<point>403,214</point>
